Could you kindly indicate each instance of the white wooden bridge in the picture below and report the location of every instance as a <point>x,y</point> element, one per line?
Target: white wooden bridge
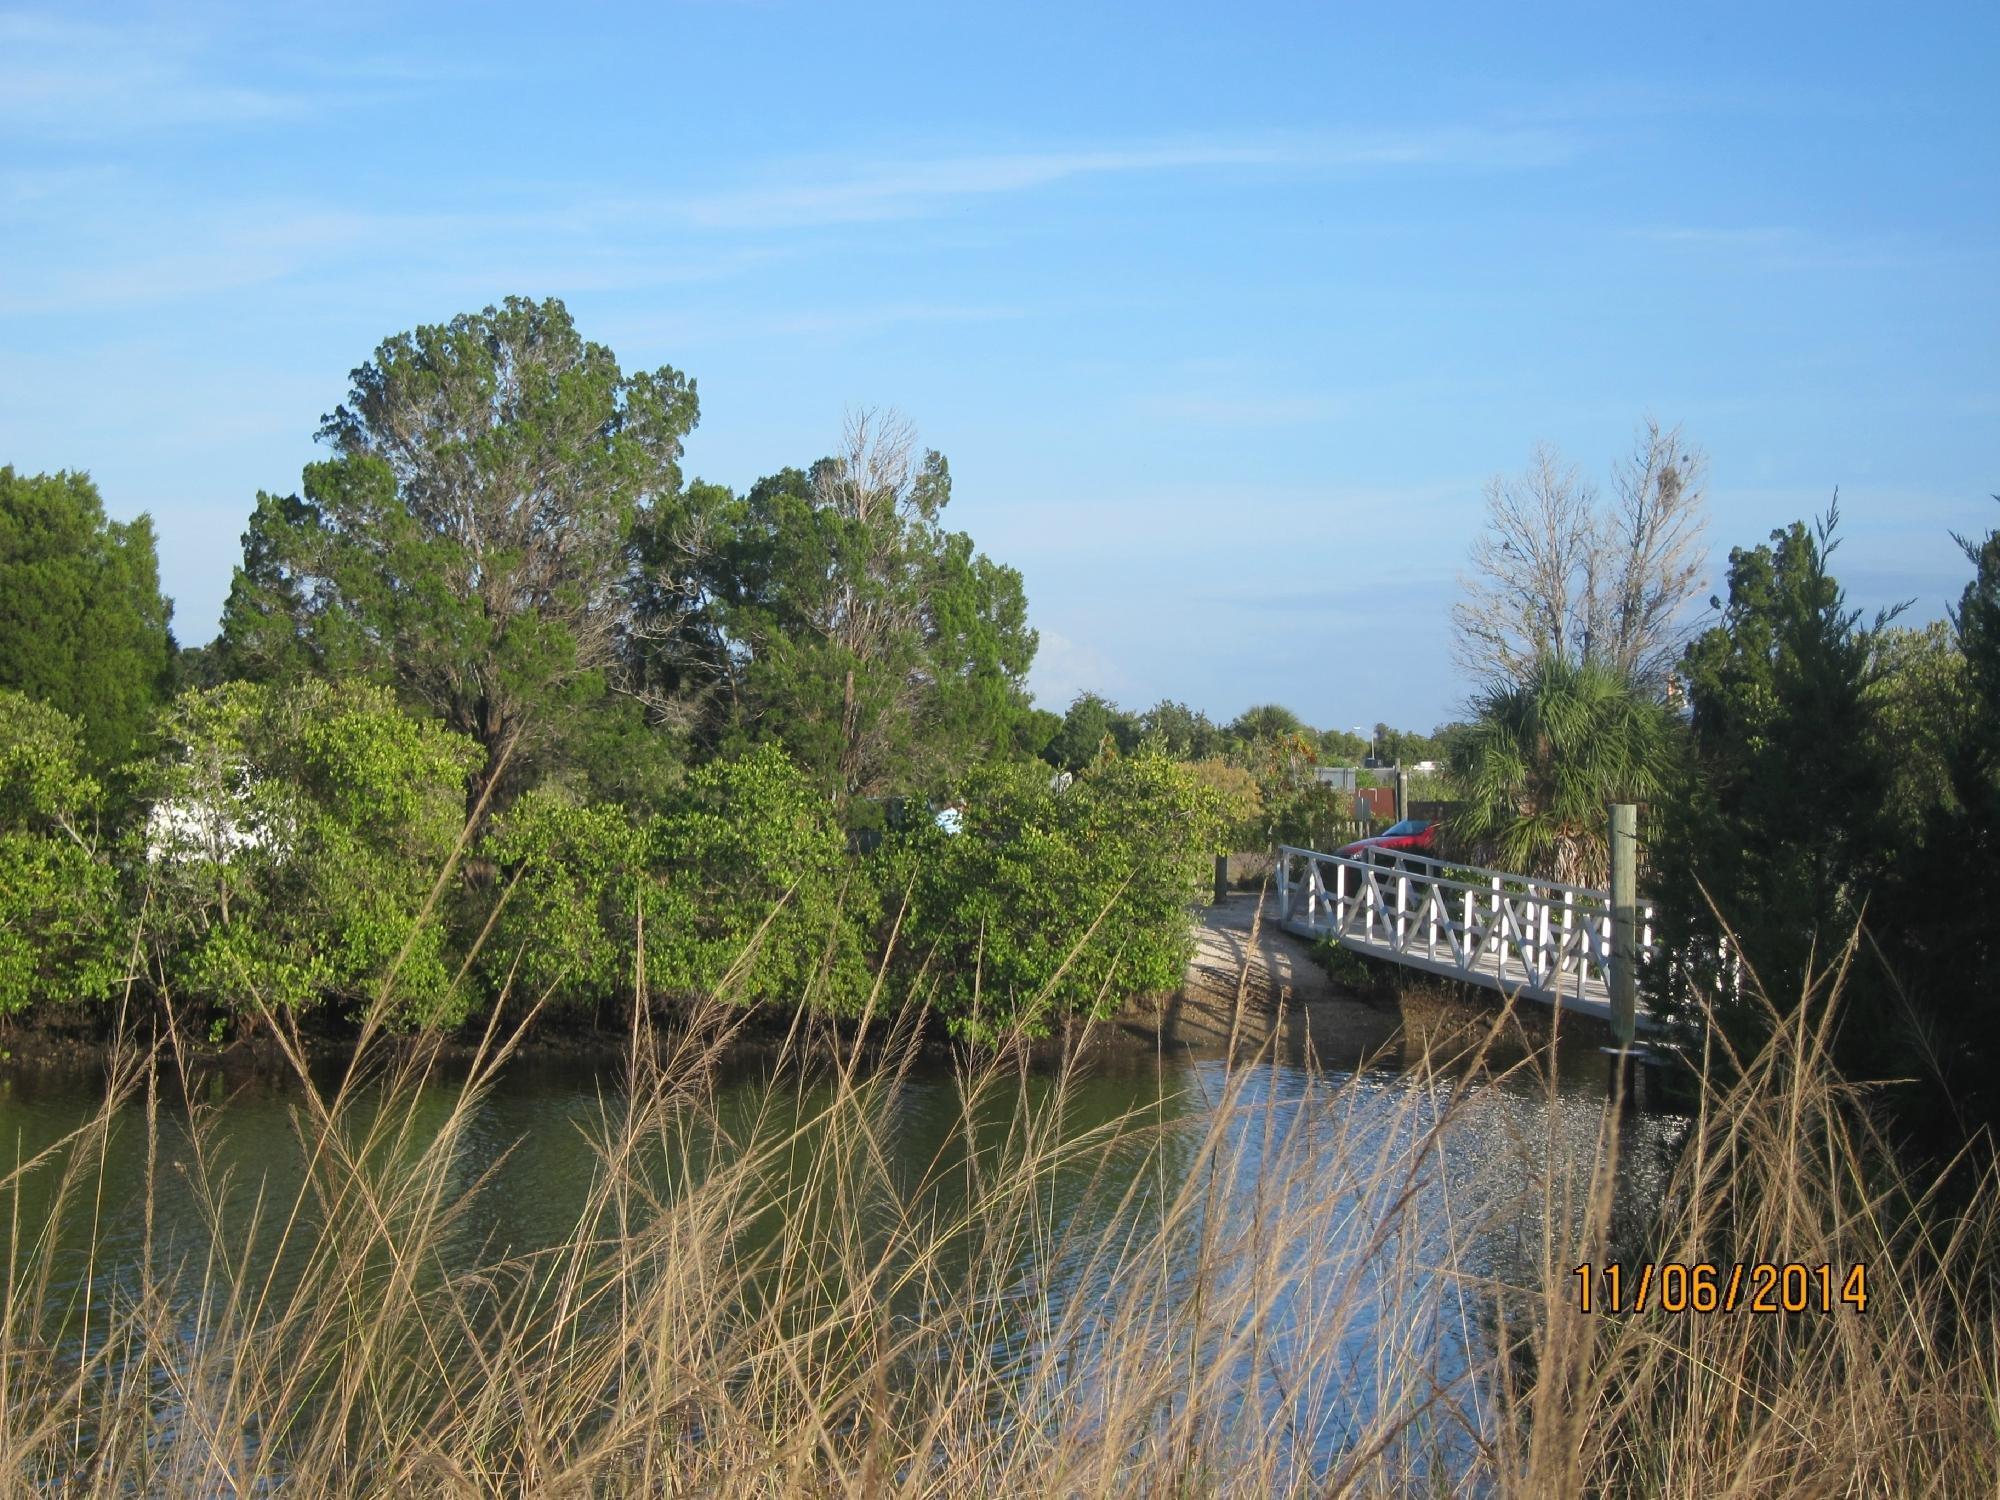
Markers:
<point>1540,939</point>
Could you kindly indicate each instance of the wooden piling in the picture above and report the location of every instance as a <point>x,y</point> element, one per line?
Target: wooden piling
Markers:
<point>1624,968</point>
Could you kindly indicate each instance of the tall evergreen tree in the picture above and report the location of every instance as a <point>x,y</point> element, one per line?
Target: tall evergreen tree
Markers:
<point>881,649</point>
<point>1936,915</point>
<point>470,540</point>
<point>83,625</point>
<point>1785,821</point>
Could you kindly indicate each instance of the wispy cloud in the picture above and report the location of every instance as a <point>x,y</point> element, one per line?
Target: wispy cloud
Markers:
<point>78,81</point>
<point>83,80</point>
<point>1201,525</point>
<point>1791,248</point>
<point>908,189</point>
<point>92,241</point>
<point>1720,238</point>
<point>1065,667</point>
<point>1241,409</point>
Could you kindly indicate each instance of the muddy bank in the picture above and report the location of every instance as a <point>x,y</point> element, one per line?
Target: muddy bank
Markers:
<point>1251,980</point>
<point>1247,980</point>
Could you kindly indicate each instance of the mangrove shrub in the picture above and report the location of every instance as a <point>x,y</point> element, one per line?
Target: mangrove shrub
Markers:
<point>1050,903</point>
<point>62,936</point>
<point>295,834</point>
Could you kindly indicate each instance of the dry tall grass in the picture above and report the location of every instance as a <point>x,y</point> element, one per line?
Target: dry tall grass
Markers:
<point>1289,1302</point>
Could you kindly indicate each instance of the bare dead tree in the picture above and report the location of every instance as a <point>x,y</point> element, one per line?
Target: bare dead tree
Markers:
<point>1558,573</point>
<point>877,610</point>
<point>1654,542</point>
<point>1533,568</point>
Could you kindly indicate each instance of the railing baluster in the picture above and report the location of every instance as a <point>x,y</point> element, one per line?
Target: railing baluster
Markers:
<point>1544,962</point>
<point>1569,929</point>
<point>1503,930</point>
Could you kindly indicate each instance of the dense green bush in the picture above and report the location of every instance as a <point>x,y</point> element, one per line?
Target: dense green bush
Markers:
<point>575,877</point>
<point>1052,903</point>
<point>295,835</point>
<point>743,878</point>
<point>753,886</point>
<point>1786,820</point>
<point>62,933</point>
<point>1314,816</point>
<point>1239,802</point>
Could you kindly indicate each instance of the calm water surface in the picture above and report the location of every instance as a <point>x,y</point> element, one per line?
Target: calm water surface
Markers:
<point>1336,1074</point>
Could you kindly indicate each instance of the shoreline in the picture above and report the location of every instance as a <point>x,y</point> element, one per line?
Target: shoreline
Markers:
<point>1248,983</point>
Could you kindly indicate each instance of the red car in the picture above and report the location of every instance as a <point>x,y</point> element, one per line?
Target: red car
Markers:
<point>1411,836</point>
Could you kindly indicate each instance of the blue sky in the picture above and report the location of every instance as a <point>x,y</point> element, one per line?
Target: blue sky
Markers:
<point>1222,315</point>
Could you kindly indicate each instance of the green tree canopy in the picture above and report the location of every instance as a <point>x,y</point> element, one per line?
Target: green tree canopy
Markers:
<point>1340,747</point>
<point>83,625</point>
<point>1268,721</point>
<point>879,648</point>
<point>1180,732</point>
<point>1786,822</point>
<point>1935,915</point>
<point>1919,698</point>
<point>296,832</point>
<point>1405,747</point>
<point>62,927</point>
<point>469,540</point>
<point>1091,722</point>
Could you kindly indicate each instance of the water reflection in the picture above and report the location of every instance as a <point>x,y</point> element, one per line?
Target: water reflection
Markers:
<point>1380,1170</point>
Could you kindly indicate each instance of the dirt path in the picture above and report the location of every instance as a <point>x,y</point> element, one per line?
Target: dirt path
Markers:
<point>1283,993</point>
<point>1281,966</point>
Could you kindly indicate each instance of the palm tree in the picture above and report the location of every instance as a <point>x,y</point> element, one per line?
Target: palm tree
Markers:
<point>1543,757</point>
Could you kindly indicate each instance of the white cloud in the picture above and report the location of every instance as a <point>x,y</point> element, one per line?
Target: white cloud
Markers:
<point>1788,248</point>
<point>908,189</point>
<point>1064,667</point>
<point>1221,408</point>
<point>79,80</point>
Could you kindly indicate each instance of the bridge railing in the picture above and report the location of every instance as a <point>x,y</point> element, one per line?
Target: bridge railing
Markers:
<point>1543,934</point>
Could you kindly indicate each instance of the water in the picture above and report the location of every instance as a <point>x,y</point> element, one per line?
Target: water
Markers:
<point>1302,1132</point>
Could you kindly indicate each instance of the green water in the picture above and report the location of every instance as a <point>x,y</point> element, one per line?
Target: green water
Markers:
<point>1338,1071</point>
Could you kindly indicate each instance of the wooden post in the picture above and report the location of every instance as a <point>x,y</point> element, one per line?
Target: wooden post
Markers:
<point>1221,878</point>
<point>1624,921</point>
<point>1402,794</point>
<point>1284,886</point>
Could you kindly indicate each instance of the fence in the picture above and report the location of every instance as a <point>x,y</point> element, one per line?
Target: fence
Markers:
<point>1547,940</point>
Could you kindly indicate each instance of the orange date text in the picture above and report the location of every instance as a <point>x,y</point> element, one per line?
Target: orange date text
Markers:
<point>1701,1287</point>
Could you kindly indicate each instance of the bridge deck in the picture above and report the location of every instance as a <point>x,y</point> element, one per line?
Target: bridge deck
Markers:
<point>1583,996</point>
<point>1518,935</point>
